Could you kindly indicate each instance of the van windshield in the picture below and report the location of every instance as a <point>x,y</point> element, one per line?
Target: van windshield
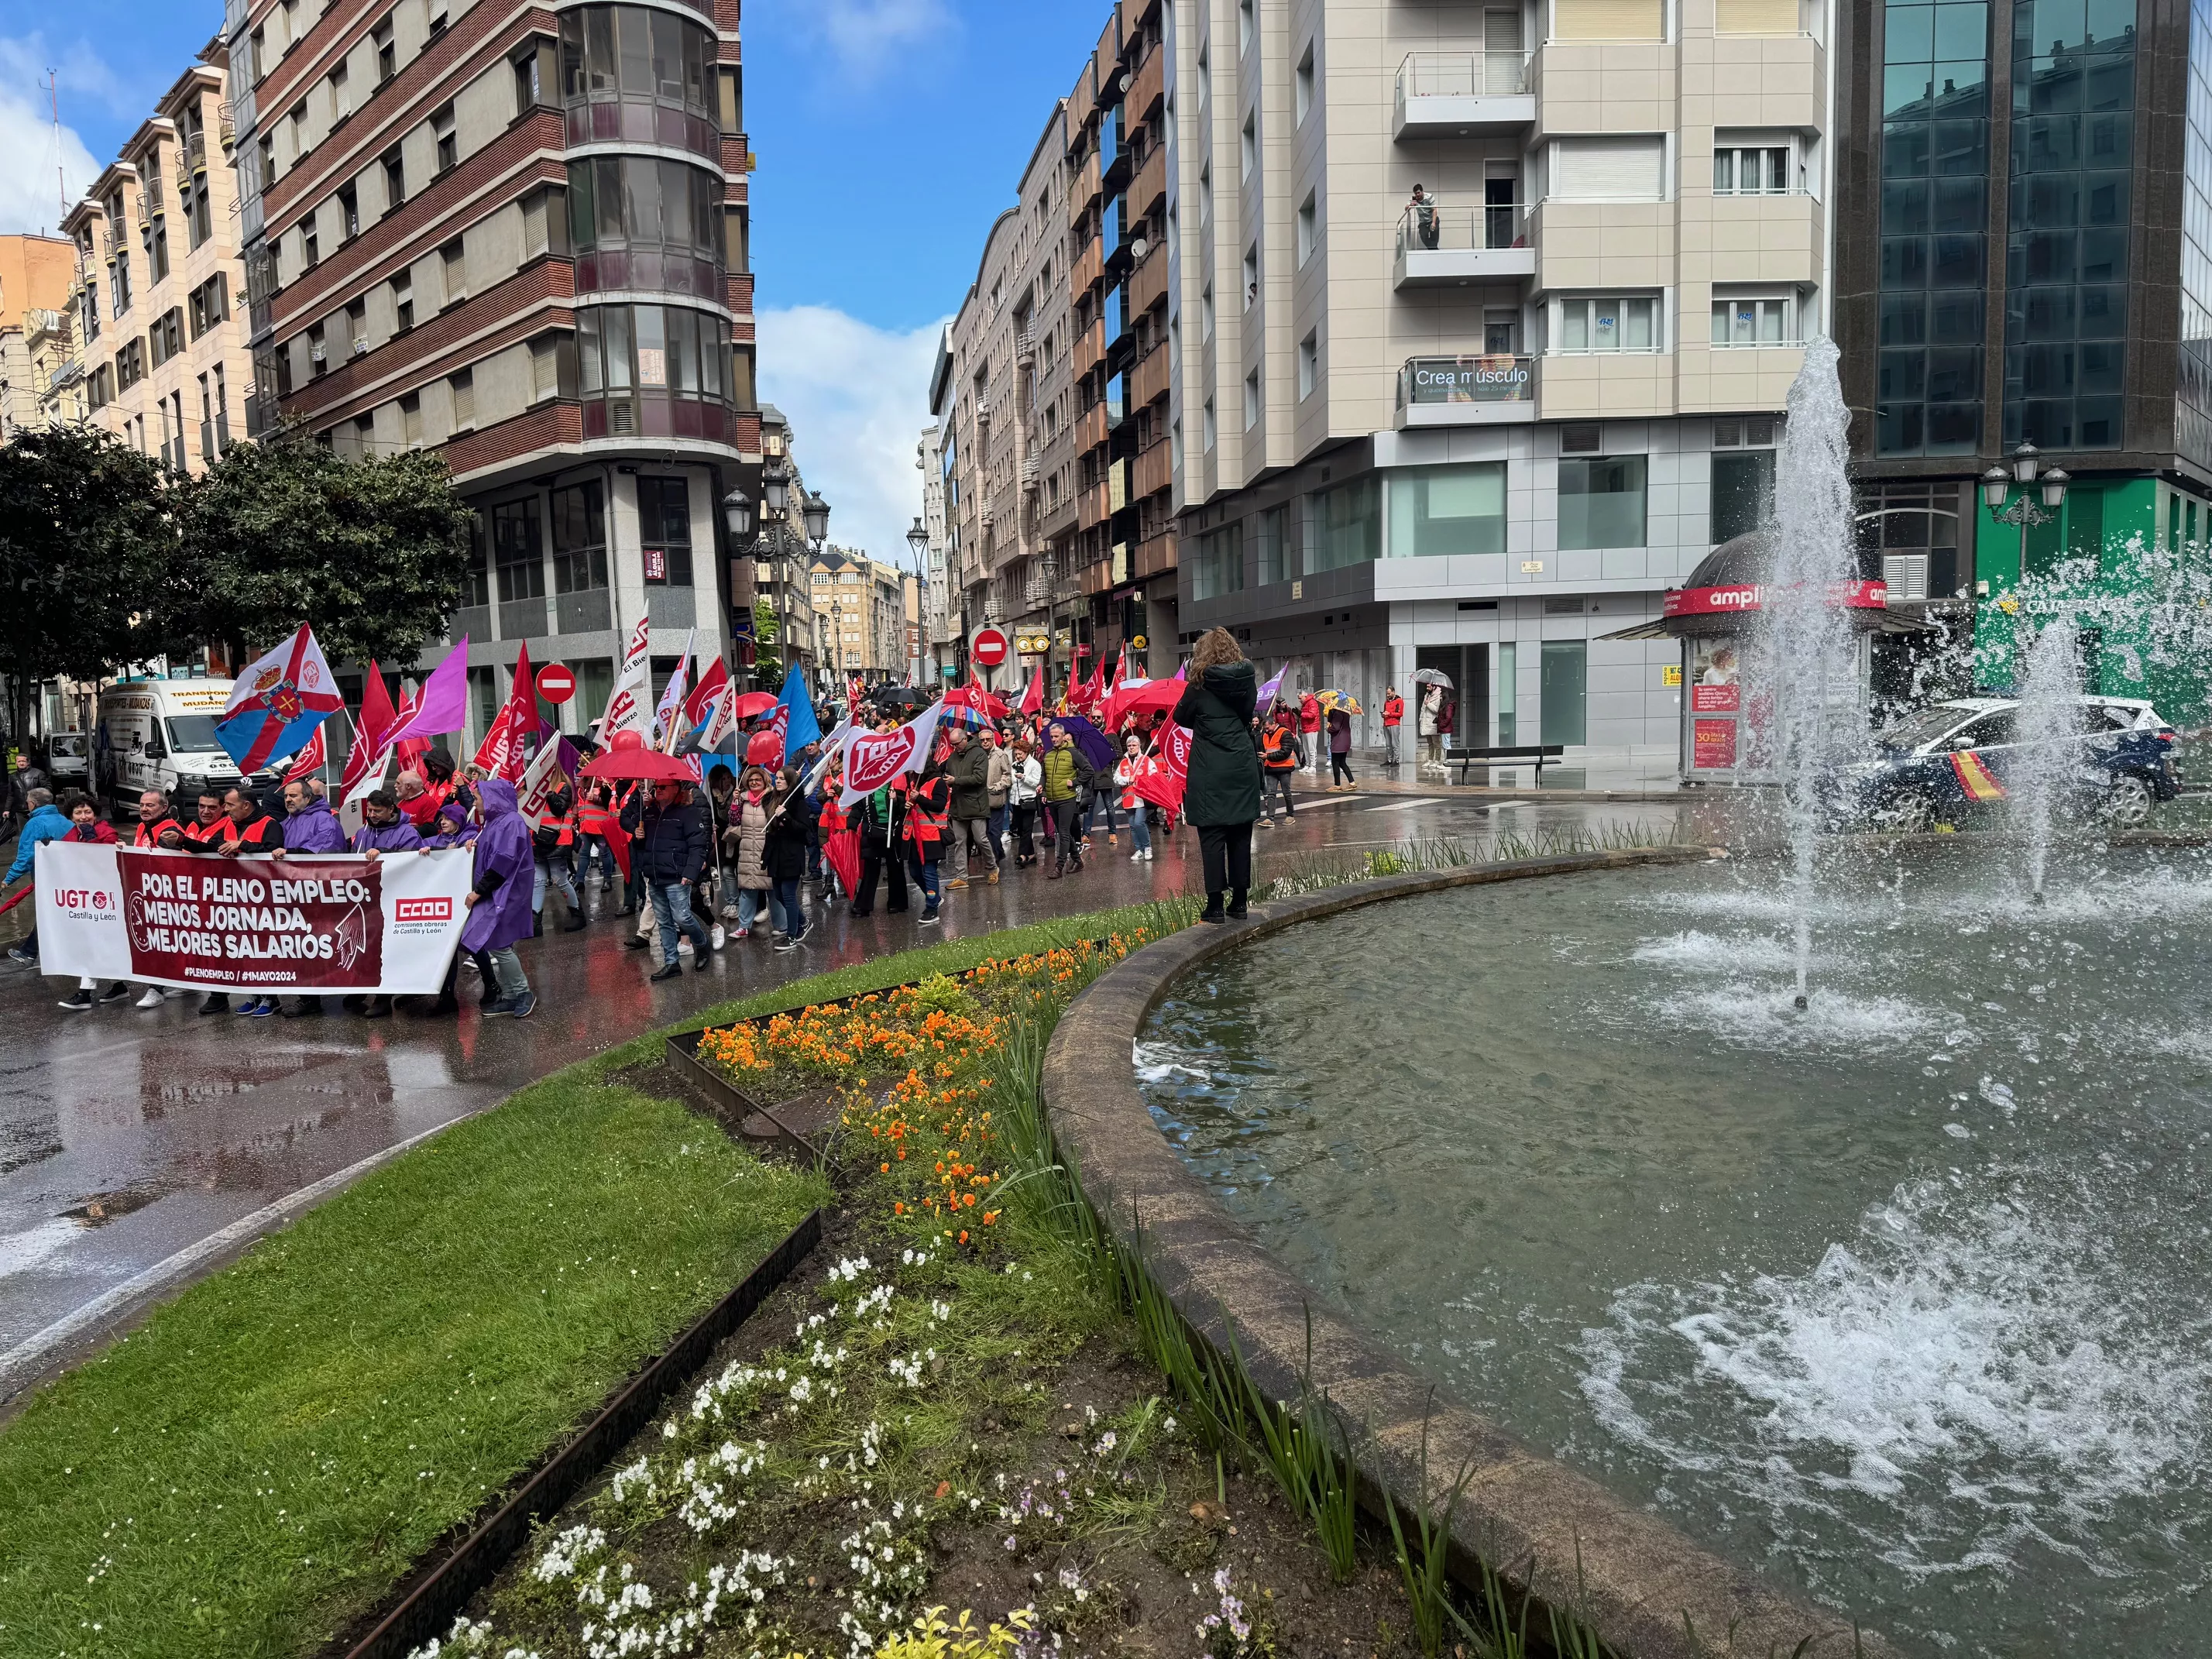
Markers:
<point>190,732</point>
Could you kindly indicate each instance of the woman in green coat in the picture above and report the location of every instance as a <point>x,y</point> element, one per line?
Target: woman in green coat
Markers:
<point>1221,796</point>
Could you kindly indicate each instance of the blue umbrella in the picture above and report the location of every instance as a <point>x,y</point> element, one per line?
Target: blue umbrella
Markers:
<point>1095,747</point>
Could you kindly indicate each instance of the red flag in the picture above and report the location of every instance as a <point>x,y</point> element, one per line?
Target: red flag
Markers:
<point>372,749</point>
<point>310,760</point>
<point>1164,785</point>
<point>700,705</point>
<point>495,753</point>
<point>1121,664</point>
<point>522,721</point>
<point>1033,699</point>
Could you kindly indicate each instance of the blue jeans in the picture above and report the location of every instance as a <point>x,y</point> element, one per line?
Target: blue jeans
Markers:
<point>794,908</point>
<point>1140,833</point>
<point>757,903</point>
<point>924,875</point>
<point>507,973</point>
<point>559,876</point>
<point>1091,813</point>
<point>671,909</point>
<point>998,826</point>
<point>595,851</point>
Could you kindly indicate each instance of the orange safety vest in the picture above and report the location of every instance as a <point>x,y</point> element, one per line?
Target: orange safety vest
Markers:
<point>596,821</point>
<point>1276,753</point>
<point>566,826</point>
<point>923,822</point>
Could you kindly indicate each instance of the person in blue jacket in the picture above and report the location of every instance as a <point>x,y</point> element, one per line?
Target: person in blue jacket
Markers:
<point>46,822</point>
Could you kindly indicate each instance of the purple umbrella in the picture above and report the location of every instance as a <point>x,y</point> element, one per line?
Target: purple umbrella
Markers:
<point>1095,747</point>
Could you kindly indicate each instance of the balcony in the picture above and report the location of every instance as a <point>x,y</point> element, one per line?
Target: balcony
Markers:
<point>1090,348</point>
<point>1454,246</point>
<point>1094,506</point>
<point>1085,191</point>
<point>1089,266</point>
<point>1149,383</point>
<point>1454,94</point>
<point>1146,85</point>
<point>1154,470</point>
<point>1155,555</point>
<point>1481,390</point>
<point>1148,283</point>
<point>1090,428</point>
<point>1151,181</point>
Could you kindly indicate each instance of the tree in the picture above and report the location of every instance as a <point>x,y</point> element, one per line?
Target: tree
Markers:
<point>86,532</point>
<point>371,554</point>
<point>767,659</point>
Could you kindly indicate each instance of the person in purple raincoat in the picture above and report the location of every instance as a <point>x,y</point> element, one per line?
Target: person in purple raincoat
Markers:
<point>453,829</point>
<point>384,829</point>
<point>310,826</point>
<point>499,902</point>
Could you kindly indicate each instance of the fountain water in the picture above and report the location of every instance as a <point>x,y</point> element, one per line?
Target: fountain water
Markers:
<point>2049,723</point>
<point>1811,657</point>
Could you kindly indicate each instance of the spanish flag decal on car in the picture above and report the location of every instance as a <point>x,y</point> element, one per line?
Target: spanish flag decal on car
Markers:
<point>1976,778</point>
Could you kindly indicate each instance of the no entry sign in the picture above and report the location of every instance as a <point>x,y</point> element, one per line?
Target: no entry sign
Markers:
<point>988,647</point>
<point>556,684</point>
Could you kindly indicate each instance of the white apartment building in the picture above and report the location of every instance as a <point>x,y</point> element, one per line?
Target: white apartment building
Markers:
<point>1478,431</point>
<point>940,616</point>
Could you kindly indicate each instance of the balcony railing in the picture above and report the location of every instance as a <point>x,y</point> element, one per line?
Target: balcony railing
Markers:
<point>1489,228</point>
<point>1444,391</point>
<point>1476,74</point>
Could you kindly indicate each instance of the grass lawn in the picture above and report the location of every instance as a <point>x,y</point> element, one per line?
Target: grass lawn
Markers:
<point>268,1455</point>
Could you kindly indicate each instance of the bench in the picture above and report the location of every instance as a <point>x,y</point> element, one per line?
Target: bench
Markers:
<point>1536,752</point>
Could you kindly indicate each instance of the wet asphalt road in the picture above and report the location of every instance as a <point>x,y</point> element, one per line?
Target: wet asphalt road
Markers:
<point>127,1137</point>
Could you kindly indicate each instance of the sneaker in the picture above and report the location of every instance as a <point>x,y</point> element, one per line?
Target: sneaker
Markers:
<point>742,933</point>
<point>955,884</point>
<point>217,1003</point>
<point>683,943</point>
<point>305,1008</point>
<point>719,937</point>
<point>1113,839</point>
<point>1213,913</point>
<point>22,958</point>
<point>787,941</point>
<point>1237,911</point>
<point>994,876</point>
<point>929,916</point>
<point>633,943</point>
<point>524,1006</point>
<point>502,1006</point>
<point>1148,855</point>
<point>1138,853</point>
<point>115,993</point>
<point>667,970</point>
<point>153,999</point>
<point>261,1008</point>
<point>77,1003</point>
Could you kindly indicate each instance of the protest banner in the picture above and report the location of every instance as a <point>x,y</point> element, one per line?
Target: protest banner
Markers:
<point>315,925</point>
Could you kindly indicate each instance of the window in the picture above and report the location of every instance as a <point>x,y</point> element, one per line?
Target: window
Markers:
<point>664,520</point>
<point>1302,86</point>
<point>157,251</point>
<point>1602,502</point>
<point>1248,147</point>
<point>348,214</point>
<point>638,55</point>
<point>341,99</point>
<point>580,539</point>
<point>403,302</point>
<point>311,243</point>
<point>1306,211</point>
<point>1609,324</point>
<point>1753,170</point>
<point>1608,19</point>
<point>1205,314</point>
<point>387,54</point>
<point>1755,320</point>
<point>517,553</point>
<point>1742,491</point>
<point>1626,169</point>
<point>410,420</point>
<point>208,305</point>
<point>1205,194</point>
<point>395,179</point>
<point>319,355</point>
<point>454,267</point>
<point>463,386</point>
<point>1562,692</point>
<point>1308,363</point>
<point>268,148</point>
<point>1273,546</point>
<point>526,84</point>
<point>1436,511</point>
<point>449,143</point>
<point>1220,568</point>
<point>1251,277</point>
<point>357,323</point>
<point>1244,24</point>
<point>1207,424</point>
<point>1252,400</point>
<point>1344,526</point>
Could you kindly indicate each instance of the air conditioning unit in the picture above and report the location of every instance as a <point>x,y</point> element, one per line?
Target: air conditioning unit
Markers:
<point>361,348</point>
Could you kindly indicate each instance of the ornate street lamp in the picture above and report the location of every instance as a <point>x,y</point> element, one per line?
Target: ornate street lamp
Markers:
<point>816,512</point>
<point>738,513</point>
<point>2028,473</point>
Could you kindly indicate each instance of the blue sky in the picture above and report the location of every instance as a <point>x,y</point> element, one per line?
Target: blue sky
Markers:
<point>891,134</point>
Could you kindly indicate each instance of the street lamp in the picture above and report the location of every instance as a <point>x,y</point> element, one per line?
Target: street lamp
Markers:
<point>2027,466</point>
<point>738,513</point>
<point>918,539</point>
<point>816,512</point>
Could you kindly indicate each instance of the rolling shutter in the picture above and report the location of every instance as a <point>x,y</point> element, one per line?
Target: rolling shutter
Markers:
<point>1607,20</point>
<point>1608,169</point>
<point>1756,17</point>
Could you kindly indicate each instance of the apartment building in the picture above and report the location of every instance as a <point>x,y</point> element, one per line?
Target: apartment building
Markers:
<point>157,282</point>
<point>1483,318</point>
<point>940,617</point>
<point>2024,255</point>
<point>782,561</point>
<point>37,276</point>
<point>865,602</point>
<point>1006,400</point>
<point>518,237</point>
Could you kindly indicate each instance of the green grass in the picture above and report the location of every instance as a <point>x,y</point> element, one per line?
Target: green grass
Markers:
<point>270,1454</point>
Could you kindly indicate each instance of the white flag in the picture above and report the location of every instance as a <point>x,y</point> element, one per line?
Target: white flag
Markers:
<point>629,705</point>
<point>668,717</point>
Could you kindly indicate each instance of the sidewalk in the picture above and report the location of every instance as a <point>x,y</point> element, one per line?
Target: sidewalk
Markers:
<point>1609,779</point>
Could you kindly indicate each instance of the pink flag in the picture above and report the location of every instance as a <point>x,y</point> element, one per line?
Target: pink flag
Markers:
<point>442,703</point>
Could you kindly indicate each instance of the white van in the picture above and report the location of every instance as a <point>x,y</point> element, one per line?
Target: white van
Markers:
<point>159,734</point>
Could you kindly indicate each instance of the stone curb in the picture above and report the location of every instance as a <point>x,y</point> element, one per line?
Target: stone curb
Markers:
<point>1543,1525</point>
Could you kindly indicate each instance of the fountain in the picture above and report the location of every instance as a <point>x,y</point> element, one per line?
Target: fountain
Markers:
<point>1895,1288</point>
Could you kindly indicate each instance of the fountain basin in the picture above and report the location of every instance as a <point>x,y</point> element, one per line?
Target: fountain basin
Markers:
<point>1523,1510</point>
<point>1900,1301</point>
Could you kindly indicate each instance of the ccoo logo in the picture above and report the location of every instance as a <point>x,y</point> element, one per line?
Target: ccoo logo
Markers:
<point>422,909</point>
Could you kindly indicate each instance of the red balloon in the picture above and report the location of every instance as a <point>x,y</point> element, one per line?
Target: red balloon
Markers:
<point>627,740</point>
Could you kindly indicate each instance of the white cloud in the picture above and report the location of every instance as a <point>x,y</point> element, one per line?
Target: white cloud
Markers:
<point>30,190</point>
<point>869,36</point>
<point>857,397</point>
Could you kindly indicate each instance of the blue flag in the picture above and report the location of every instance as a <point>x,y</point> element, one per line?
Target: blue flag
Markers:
<point>804,728</point>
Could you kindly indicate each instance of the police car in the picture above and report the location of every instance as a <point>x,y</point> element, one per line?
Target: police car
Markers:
<point>1970,752</point>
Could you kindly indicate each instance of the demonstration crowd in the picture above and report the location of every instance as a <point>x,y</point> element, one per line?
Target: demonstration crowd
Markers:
<point>699,868</point>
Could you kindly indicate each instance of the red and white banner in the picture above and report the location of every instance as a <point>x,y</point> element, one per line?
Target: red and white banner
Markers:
<point>1747,597</point>
<point>316,926</point>
<point>310,759</point>
<point>872,759</point>
<point>1164,784</point>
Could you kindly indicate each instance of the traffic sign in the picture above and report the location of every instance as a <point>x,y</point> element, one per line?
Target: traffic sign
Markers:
<point>988,647</point>
<point>556,684</point>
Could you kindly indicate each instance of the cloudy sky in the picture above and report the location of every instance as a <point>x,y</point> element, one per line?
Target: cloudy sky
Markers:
<point>891,134</point>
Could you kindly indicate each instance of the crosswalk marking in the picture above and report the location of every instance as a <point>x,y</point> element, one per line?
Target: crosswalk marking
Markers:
<point>1406,805</point>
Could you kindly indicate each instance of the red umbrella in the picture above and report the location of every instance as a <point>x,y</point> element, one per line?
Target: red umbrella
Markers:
<point>751,705</point>
<point>1147,697</point>
<point>629,757</point>
<point>841,853</point>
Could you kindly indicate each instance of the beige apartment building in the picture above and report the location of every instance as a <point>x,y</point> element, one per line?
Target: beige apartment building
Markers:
<point>865,603</point>
<point>1004,397</point>
<point>1479,427</point>
<point>159,282</point>
<point>37,384</point>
